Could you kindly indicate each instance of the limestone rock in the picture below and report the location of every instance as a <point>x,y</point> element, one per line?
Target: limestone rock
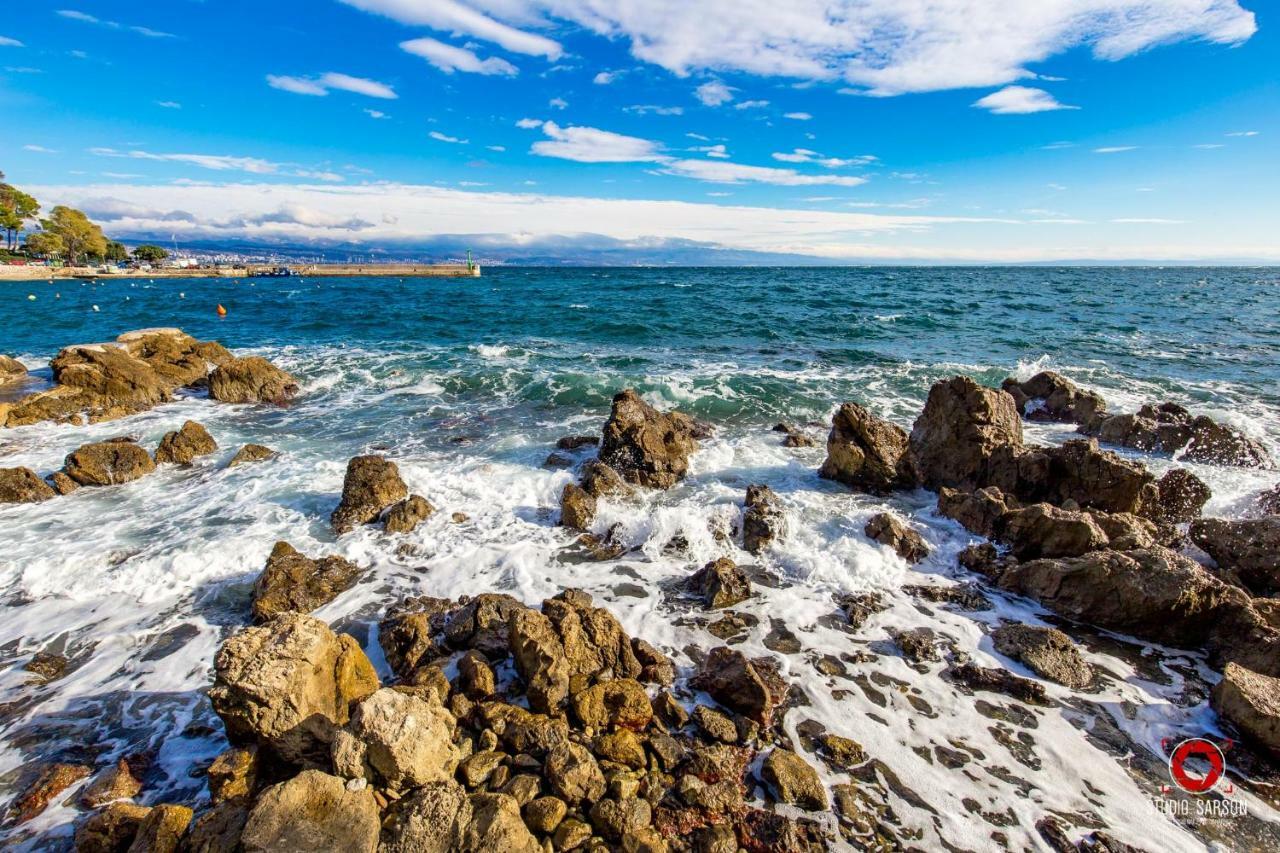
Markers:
<point>888,529</point>
<point>61,483</point>
<point>218,830</point>
<point>594,643</point>
<point>233,775</point>
<point>496,825</point>
<point>252,380</point>
<point>408,514</point>
<point>573,774</point>
<point>111,829</point>
<point>621,702</point>
<point>11,370</point>
<point>960,427</point>
<point>1252,702</point>
<point>540,659</point>
<point>616,818</point>
<point>250,453</point>
<point>22,485</point>
<point>1043,530</point>
<point>645,446</point>
<point>408,742</point>
<point>794,780</point>
<point>1182,496</point>
<point>763,519</point>
<point>372,484</point>
<point>1047,652</point>
<point>161,831</point>
<point>719,584</point>
<point>753,688</point>
<point>51,781</point>
<point>544,814</point>
<point>1171,428</point>
<point>184,445</point>
<point>108,463</point>
<point>1249,549</point>
<point>600,480</point>
<point>313,811</point>
<point>577,507</point>
<point>431,819</point>
<point>407,633</point>
<point>1050,396</point>
<point>867,453</point>
<point>480,624</point>
<point>116,782</point>
<point>288,684</point>
<point>291,581</point>
<point>979,512</point>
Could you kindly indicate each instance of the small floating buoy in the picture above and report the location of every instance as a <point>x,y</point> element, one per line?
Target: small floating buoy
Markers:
<point>182,295</point>
<point>95,308</point>
<point>126,299</point>
<point>57,296</point>
<point>222,312</point>
<point>31,296</point>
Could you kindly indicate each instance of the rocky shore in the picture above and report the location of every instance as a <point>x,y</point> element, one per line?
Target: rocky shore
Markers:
<point>502,724</point>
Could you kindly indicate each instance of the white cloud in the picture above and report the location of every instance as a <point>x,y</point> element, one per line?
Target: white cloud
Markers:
<point>529,123</point>
<point>375,114</point>
<point>452,16</point>
<point>797,116</point>
<point>604,78</point>
<point>85,18</point>
<point>716,151</point>
<point>1209,145</point>
<point>1020,100</point>
<point>5,41</point>
<point>699,137</point>
<point>216,162</point>
<point>442,137</point>
<point>646,109</point>
<point>1243,133</point>
<point>736,173</point>
<point>751,105</point>
<point>1055,146</point>
<point>804,155</point>
<point>592,145</point>
<point>878,47</point>
<point>38,149</point>
<point>169,105</point>
<point>1148,221</point>
<point>1114,149</point>
<point>498,148</point>
<point>449,58</point>
<point>714,93</point>
<point>321,85</point>
<point>558,104</point>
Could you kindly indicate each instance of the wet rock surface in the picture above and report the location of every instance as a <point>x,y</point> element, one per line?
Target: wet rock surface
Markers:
<point>22,485</point>
<point>293,582</point>
<point>867,453</point>
<point>182,446</point>
<point>108,463</point>
<point>372,485</point>
<point>1247,550</point>
<point>252,380</point>
<point>645,446</point>
<point>1170,428</point>
<point>888,529</point>
<point>251,453</point>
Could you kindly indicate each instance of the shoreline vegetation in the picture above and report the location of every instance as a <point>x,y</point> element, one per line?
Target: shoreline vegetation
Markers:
<point>526,726</point>
<point>388,270</point>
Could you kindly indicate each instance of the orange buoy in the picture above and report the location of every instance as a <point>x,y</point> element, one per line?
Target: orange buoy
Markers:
<point>222,312</point>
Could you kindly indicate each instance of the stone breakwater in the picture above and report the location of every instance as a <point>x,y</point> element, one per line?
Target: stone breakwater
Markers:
<point>521,725</point>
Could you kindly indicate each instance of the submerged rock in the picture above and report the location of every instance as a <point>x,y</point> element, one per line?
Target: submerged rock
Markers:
<point>1248,549</point>
<point>372,484</point>
<point>408,514</point>
<point>1050,396</point>
<point>184,445</point>
<point>288,685</point>
<point>116,782</point>
<point>1047,652</point>
<point>291,581</point>
<point>763,519</point>
<point>719,584</point>
<point>252,380</point>
<point>108,463</point>
<point>251,453</point>
<point>867,453</point>
<point>1252,703</point>
<point>311,812</point>
<point>22,485</point>
<point>961,426</point>
<point>577,507</point>
<point>887,529</point>
<point>647,447</point>
<point>51,781</point>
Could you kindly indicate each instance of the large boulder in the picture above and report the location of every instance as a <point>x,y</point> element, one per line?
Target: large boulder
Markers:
<point>752,687</point>
<point>868,453</point>
<point>1182,496</point>
<point>540,659</point>
<point>793,780</point>
<point>372,484</point>
<point>763,519</point>
<point>645,446</point>
<point>406,741</point>
<point>961,425</point>
<point>311,812</point>
<point>1152,593</point>
<point>1077,471</point>
<point>1248,549</point>
<point>595,645</point>
<point>887,529</point>
<point>1171,428</point>
<point>11,370</point>
<point>577,507</point>
<point>288,685</point>
<point>431,819</point>
<point>496,825</point>
<point>291,581</point>
<point>1050,396</point>
<point>108,463</point>
<point>720,583</point>
<point>252,379</point>
<point>1213,443</point>
<point>23,486</point>
<point>1047,652</point>
<point>1043,530</point>
<point>182,446</point>
<point>1252,703</point>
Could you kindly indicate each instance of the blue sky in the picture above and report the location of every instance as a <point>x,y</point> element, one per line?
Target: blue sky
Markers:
<point>877,129</point>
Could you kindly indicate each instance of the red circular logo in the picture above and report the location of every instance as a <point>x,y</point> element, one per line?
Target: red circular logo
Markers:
<point>1187,779</point>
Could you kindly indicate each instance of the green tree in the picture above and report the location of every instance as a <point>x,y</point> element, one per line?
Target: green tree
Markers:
<point>116,251</point>
<point>44,244</point>
<point>150,254</point>
<point>80,237</point>
<point>16,209</point>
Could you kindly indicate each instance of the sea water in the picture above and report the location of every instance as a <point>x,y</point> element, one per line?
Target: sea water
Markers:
<point>467,384</point>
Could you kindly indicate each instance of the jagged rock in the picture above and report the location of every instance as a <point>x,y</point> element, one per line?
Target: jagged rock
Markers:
<point>544,814</point>
<point>574,775</point>
<point>794,780</point>
<point>116,782</point>
<point>999,681</point>
<point>184,445</point>
<point>430,819</point>
<point>1269,501</point>
<point>1076,473</point>
<point>23,486</point>
<point>621,702</point>
<point>1127,532</point>
<point>647,447</point>
<point>496,825</point>
<point>252,380</point>
<point>867,453</point>
<point>1047,652</point>
<point>763,519</point>
<point>51,781</point>
<point>291,581</point>
<point>600,480</point>
<point>407,633</point>
<point>218,829</point>
<point>574,442</point>
<point>1248,549</point>
<point>1252,703</point>
<point>979,512</point>
<point>161,831</point>
<point>521,731</point>
<point>233,774</point>
<point>49,666</point>
<point>577,507</point>
<point>371,485</point>
<point>594,643</point>
<point>616,818</point>
<point>1043,530</point>
<point>919,645</point>
<point>1170,428</point>
<point>313,811</point>
<point>11,370</point>
<point>753,688</point>
<point>656,668</point>
<point>716,725</point>
<point>408,514</point>
<point>61,483</point>
<point>961,426</point>
<point>1182,496</point>
<point>407,742</point>
<point>540,659</point>
<point>1213,443</point>
<point>719,584</point>
<point>108,463</point>
<point>476,769</point>
<point>111,829</point>
<point>859,607</point>
<point>480,624</point>
<point>288,684</point>
<point>1050,396</point>
<point>887,529</point>
<point>250,453</point>
<point>1152,593</point>
<point>476,678</point>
